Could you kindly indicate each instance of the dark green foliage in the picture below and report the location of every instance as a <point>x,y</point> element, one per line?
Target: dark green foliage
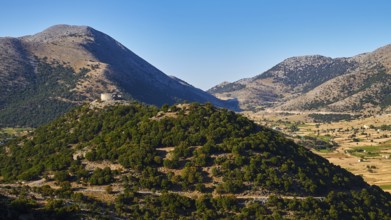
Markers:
<point>22,205</point>
<point>243,156</point>
<point>61,176</point>
<point>129,135</point>
<point>101,177</point>
<point>34,103</point>
<point>332,117</point>
<point>316,143</point>
<point>363,204</point>
<point>59,209</point>
<point>336,205</point>
<point>64,206</point>
<point>385,127</point>
<point>293,128</point>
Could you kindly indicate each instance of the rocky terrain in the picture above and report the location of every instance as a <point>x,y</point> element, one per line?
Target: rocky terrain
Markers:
<point>318,83</point>
<point>44,75</point>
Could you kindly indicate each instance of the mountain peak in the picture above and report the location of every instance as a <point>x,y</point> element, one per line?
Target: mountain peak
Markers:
<point>76,64</point>
<point>318,83</point>
<point>62,31</point>
<point>308,59</point>
<point>68,28</point>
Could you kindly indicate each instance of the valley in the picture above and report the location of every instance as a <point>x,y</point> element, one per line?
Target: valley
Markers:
<point>362,145</point>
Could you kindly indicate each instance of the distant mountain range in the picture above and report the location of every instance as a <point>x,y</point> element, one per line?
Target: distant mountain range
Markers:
<point>317,83</point>
<point>44,75</point>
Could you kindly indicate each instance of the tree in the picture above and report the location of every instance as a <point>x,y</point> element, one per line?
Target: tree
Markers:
<point>109,189</point>
<point>294,128</point>
<point>61,176</point>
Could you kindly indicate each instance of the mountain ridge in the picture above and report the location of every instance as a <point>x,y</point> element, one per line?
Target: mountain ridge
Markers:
<point>296,84</point>
<point>95,62</point>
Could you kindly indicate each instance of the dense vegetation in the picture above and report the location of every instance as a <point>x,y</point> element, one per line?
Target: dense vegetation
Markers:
<point>317,143</point>
<point>34,104</point>
<point>63,203</point>
<point>327,118</point>
<point>189,148</point>
<point>384,127</point>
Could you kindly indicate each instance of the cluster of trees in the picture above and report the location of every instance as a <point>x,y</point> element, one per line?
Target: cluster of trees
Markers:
<point>60,203</point>
<point>247,155</point>
<point>327,118</point>
<point>65,204</point>
<point>316,143</point>
<point>33,105</point>
<point>4,136</point>
<point>385,127</point>
<point>360,204</point>
<point>336,205</point>
<point>102,176</point>
<point>241,156</point>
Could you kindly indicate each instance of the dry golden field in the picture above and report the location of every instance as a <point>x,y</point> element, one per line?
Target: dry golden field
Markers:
<point>363,148</point>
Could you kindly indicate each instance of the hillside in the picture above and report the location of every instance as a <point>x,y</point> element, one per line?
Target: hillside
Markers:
<point>185,161</point>
<point>44,75</point>
<point>317,83</point>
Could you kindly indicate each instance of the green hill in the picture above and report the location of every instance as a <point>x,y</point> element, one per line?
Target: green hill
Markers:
<point>185,161</point>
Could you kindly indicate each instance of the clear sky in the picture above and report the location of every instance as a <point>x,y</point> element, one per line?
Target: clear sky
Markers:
<point>206,42</point>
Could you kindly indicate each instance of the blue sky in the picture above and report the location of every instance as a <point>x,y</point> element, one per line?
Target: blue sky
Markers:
<point>205,42</point>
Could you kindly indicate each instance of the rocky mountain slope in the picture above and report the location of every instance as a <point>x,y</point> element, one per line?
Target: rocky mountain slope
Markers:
<point>43,75</point>
<point>318,83</point>
<point>188,161</point>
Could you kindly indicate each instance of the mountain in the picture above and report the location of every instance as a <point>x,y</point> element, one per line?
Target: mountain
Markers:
<point>44,75</point>
<point>318,83</point>
<point>188,161</point>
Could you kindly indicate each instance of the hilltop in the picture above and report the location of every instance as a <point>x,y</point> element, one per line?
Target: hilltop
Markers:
<point>318,83</point>
<point>44,75</point>
<point>182,161</point>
